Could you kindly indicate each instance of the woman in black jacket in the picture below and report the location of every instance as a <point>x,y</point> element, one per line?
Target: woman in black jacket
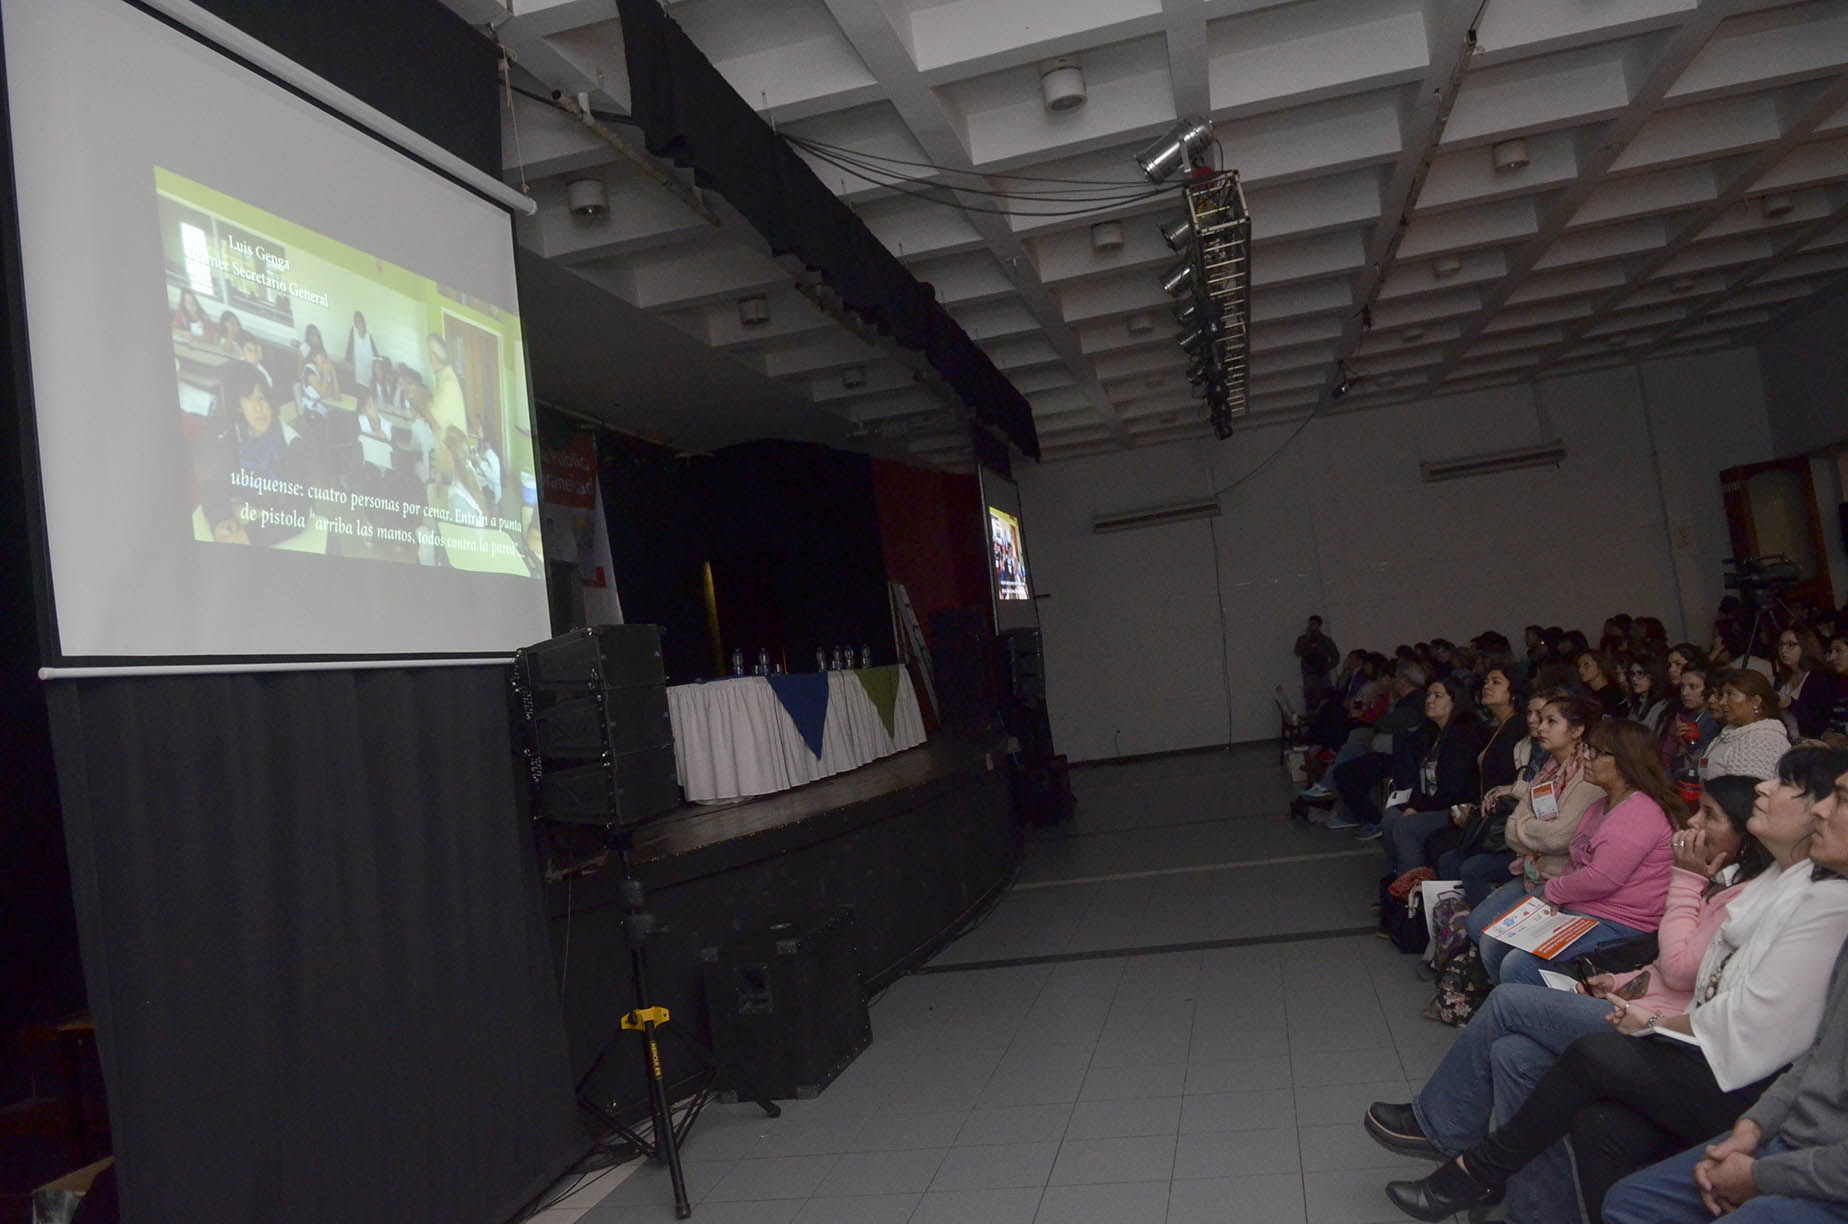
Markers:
<point>1446,773</point>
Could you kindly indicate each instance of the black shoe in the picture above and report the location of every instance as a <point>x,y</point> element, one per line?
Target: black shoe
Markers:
<point>1395,1128</point>
<point>1445,1193</point>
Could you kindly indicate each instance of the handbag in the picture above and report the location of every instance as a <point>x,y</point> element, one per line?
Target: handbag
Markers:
<point>1461,988</point>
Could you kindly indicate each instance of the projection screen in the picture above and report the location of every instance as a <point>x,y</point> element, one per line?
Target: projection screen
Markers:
<point>279,383</point>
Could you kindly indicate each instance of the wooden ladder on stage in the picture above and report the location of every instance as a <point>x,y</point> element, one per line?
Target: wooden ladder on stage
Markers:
<point>910,640</point>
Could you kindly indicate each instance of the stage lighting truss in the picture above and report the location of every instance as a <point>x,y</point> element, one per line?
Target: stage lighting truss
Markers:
<point>1221,293</point>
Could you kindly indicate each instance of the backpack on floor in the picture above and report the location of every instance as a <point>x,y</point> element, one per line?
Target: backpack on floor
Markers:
<point>1461,988</point>
<point>1400,919</point>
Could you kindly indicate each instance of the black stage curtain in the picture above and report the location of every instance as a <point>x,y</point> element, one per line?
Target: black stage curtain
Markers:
<point>314,943</point>
<point>689,113</point>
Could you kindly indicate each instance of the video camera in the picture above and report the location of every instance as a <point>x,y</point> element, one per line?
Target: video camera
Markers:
<point>1750,575</point>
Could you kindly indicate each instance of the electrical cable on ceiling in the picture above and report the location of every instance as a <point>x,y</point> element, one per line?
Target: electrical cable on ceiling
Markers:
<point>869,172</point>
<point>922,193</point>
<point>1270,458</point>
<point>926,165</point>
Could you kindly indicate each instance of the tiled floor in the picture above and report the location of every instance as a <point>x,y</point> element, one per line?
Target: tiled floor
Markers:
<point>1131,1037</point>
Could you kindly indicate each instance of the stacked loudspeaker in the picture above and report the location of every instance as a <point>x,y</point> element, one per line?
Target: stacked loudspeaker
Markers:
<point>597,737</point>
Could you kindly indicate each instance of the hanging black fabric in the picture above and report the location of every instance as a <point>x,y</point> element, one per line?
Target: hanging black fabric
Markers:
<point>691,114</point>
<point>314,945</point>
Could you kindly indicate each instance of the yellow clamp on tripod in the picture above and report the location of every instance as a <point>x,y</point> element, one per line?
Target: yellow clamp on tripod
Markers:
<point>633,1022</point>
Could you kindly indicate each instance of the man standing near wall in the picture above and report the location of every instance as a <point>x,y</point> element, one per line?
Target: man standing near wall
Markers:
<point>1317,653</point>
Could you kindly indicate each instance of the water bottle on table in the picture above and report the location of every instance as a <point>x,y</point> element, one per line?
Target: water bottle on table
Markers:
<point>737,661</point>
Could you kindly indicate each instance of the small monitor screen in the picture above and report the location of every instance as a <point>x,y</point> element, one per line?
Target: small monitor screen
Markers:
<point>1009,581</point>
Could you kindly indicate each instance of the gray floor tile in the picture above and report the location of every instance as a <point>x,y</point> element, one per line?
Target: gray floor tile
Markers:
<point>1237,1153</point>
<point>780,1177</point>
<point>1008,1206</point>
<point>995,1167</point>
<point>1104,1204</point>
<point>867,1173</point>
<point>1118,1119</point>
<point>1273,1198</point>
<point>1238,1075</point>
<point>760,1211</point>
<point>1133,1159</point>
<point>1015,1124</point>
<point>1032,1086</point>
<point>1130,1083</point>
<point>864,1209</point>
<point>1264,1109</point>
<point>1363,1066</point>
<point>1345,1102</point>
<point>1355,1196</point>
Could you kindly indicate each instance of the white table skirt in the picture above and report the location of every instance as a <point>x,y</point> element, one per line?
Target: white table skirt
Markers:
<point>734,739</point>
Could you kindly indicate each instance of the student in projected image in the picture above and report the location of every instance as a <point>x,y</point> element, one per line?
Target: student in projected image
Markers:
<point>448,409</point>
<point>191,323</point>
<point>381,391</point>
<point>320,381</point>
<point>253,444</point>
<point>252,352</point>
<point>231,334</point>
<point>361,350</point>
<point>374,398</point>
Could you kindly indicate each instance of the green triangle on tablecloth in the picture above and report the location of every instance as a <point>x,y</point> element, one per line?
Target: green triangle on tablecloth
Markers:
<point>881,684</point>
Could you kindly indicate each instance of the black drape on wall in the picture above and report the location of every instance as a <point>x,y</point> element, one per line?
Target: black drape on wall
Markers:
<point>314,945</point>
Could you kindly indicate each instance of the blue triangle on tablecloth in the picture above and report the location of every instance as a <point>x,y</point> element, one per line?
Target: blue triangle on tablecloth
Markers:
<point>805,696</point>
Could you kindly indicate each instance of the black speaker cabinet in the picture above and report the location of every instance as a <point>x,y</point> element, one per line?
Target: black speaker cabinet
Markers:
<point>631,719</point>
<point>625,790</point>
<point>597,657</point>
<point>784,1003</point>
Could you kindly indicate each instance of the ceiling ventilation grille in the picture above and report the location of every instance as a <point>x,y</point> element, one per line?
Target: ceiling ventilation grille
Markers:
<point>1158,517</point>
<point>1547,454</point>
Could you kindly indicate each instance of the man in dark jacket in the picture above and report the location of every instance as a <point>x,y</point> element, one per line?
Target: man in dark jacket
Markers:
<point>1318,654</point>
<point>1355,780</point>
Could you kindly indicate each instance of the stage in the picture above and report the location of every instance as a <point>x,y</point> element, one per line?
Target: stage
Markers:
<point>914,845</point>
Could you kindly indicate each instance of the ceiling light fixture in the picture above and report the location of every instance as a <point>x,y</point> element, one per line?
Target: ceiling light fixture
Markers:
<point>587,197</point>
<point>1140,323</point>
<point>853,376</point>
<point>1510,155</point>
<point>1411,335</point>
<point>1062,83</point>
<point>1107,236</point>
<point>1178,279</point>
<point>753,311</point>
<point>1178,233</point>
<point>1777,204</point>
<point>1176,147</point>
<point>1446,266</point>
<point>1681,284</point>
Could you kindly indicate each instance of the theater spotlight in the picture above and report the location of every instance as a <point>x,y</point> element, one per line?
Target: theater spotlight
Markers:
<point>1178,146</point>
<point>1343,382</point>
<point>1178,279</point>
<point>1178,233</point>
<point>1186,311</point>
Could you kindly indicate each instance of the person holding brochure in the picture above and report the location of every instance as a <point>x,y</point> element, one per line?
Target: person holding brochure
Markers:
<point>1758,998</point>
<point>1546,818</point>
<point>1520,1031</point>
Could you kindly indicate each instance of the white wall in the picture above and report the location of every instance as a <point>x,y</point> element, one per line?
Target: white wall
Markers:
<point>1149,649</point>
<point>1806,380</point>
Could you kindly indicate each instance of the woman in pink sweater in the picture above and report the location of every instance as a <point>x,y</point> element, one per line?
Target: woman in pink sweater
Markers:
<point>1619,858</point>
<point>1519,1033</point>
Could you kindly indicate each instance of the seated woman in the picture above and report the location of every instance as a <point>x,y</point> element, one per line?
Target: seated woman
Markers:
<point>1687,732</point>
<point>1753,737</point>
<point>1681,656</point>
<point>1601,679</point>
<point>231,334</point>
<point>191,321</point>
<point>1619,857</point>
<point>1649,692</point>
<point>1804,687</point>
<point>1481,857</point>
<point>1759,995</point>
<point>1445,775</point>
<point>1517,1035</point>
<point>1838,671</point>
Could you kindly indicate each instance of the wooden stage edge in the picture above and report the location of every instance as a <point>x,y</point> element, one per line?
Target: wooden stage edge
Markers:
<point>913,845</point>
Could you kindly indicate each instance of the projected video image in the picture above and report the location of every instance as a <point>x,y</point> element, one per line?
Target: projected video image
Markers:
<point>1009,556</point>
<point>334,403</point>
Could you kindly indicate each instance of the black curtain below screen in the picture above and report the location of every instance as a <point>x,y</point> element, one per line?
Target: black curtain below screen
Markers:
<point>314,945</point>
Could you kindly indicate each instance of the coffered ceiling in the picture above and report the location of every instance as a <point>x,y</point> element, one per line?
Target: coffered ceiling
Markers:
<point>1586,182</point>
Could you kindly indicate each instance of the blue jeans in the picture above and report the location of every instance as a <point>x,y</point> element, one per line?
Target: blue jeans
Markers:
<point>1665,1193</point>
<point>1404,836</point>
<point>1505,963</point>
<point>1511,1041</point>
<point>1481,874</point>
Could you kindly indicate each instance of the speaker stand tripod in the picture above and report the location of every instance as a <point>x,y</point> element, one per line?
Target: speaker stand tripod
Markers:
<point>662,1143</point>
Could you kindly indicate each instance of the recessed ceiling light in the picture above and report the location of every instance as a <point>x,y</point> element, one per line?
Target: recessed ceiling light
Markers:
<point>753,311</point>
<point>1107,236</point>
<point>1446,265</point>
<point>1140,323</point>
<point>1411,335</point>
<point>1510,155</point>
<point>1062,83</point>
<point>1614,341</point>
<point>1681,284</point>
<point>587,197</point>
<point>853,376</point>
<point>1777,204</point>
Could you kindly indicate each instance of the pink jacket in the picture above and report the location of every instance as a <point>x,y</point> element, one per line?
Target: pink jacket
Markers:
<point>1688,926</point>
<point>1621,862</point>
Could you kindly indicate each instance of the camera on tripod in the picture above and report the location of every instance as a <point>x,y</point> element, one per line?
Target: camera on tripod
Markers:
<point>1750,575</point>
